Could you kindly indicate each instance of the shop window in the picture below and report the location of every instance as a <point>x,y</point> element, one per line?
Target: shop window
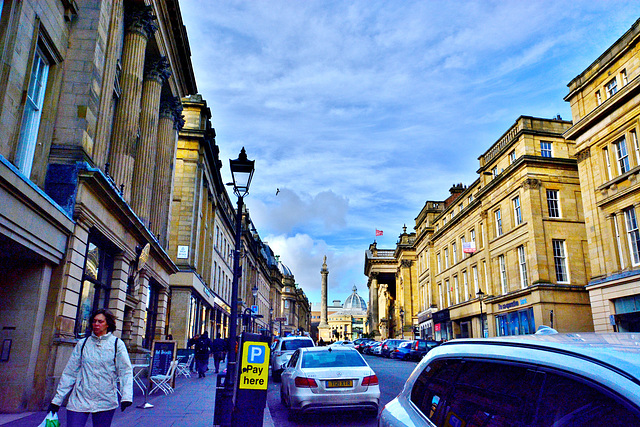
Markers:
<point>516,323</point>
<point>96,284</point>
<point>151,315</point>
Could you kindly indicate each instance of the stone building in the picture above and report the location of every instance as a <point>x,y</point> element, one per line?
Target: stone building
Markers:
<point>605,105</point>
<point>516,234</point>
<point>349,321</point>
<point>202,228</point>
<point>89,113</point>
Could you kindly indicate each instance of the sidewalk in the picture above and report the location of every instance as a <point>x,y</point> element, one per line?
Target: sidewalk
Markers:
<point>191,405</point>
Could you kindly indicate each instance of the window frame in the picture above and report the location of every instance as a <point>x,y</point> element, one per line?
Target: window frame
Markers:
<point>502,266</point>
<point>512,157</point>
<point>611,87</point>
<point>622,155</point>
<point>522,264</point>
<point>561,266</point>
<point>633,235</point>
<point>497,215</point>
<point>517,210</point>
<point>546,149</point>
<point>553,203</point>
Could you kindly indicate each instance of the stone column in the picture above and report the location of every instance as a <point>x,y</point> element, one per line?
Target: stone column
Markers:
<point>139,27</point>
<point>144,169</point>
<point>373,293</point>
<point>323,296</point>
<point>139,326</point>
<point>171,121</point>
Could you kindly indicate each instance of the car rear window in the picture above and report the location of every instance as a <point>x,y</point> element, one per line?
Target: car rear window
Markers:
<point>295,344</point>
<point>332,359</point>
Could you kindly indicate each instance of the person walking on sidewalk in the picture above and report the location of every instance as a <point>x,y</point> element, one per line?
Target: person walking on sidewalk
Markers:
<point>218,346</point>
<point>203,351</point>
<point>96,364</point>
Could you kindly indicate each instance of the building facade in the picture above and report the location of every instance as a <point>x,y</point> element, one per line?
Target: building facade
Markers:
<point>89,115</point>
<point>200,238</point>
<point>605,105</point>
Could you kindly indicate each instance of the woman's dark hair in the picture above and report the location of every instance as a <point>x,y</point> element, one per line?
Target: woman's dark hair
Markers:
<point>111,319</point>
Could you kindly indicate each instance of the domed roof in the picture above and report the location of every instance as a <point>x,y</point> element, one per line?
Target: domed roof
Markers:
<point>355,301</point>
<point>284,270</point>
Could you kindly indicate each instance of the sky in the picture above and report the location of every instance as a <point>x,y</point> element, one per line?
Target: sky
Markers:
<point>360,111</point>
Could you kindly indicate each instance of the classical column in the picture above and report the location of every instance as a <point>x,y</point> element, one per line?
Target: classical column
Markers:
<point>373,291</point>
<point>171,121</point>
<point>139,27</point>
<point>323,296</point>
<point>143,173</point>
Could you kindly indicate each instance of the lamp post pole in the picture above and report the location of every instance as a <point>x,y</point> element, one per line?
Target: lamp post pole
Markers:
<point>480,296</point>
<point>402,322</point>
<point>254,291</point>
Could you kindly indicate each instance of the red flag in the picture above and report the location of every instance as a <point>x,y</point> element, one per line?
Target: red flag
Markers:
<point>378,232</point>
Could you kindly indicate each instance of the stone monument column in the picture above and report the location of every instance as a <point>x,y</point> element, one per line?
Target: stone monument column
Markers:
<point>324,330</point>
<point>139,27</point>
<point>373,291</point>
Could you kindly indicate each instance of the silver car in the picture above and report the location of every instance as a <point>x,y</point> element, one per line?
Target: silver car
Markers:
<point>581,379</point>
<point>329,378</point>
<point>282,351</point>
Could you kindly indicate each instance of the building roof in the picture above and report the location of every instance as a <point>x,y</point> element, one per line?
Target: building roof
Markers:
<point>354,305</point>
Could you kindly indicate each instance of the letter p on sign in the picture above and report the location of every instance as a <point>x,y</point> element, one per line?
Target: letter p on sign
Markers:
<point>256,354</point>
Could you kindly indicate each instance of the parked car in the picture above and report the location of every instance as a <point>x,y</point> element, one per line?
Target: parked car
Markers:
<point>282,351</point>
<point>365,348</point>
<point>584,379</point>
<point>375,348</point>
<point>421,347</point>
<point>360,343</point>
<point>389,345</point>
<point>402,351</point>
<point>325,378</point>
<point>345,343</point>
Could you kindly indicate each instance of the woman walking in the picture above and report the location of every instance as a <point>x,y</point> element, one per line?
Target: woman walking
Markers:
<point>91,375</point>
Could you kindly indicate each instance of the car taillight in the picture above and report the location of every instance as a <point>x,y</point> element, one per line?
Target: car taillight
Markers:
<point>277,353</point>
<point>416,347</point>
<point>385,346</point>
<point>305,382</point>
<point>370,380</point>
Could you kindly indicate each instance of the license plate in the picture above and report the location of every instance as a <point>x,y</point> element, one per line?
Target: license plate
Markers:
<point>339,383</point>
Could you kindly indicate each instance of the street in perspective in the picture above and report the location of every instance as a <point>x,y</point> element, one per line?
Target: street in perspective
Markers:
<point>276,213</point>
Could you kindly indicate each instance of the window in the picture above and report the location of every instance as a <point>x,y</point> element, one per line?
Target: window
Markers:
<point>472,232</point>
<point>476,285</point>
<point>462,242</point>
<point>96,284</point>
<point>560,260</point>
<point>503,274</point>
<point>446,257</point>
<point>465,283</point>
<point>32,112</point>
<point>614,218</point>
<point>460,207</point>
<point>622,155</point>
<point>553,203</point>
<point>152,315</point>
<point>598,98</point>
<point>494,171</point>
<point>444,221</point>
<point>607,162</point>
<point>520,322</point>
<point>634,138</point>
<point>439,263</point>
<point>545,149</point>
<point>448,290</point>
<point>486,273</point>
<point>433,385</point>
<point>498,218</point>
<point>522,258</point>
<point>517,212</point>
<point>469,199</point>
<point>456,289</point>
<point>454,252</point>
<point>440,296</point>
<point>623,77</point>
<point>633,235</point>
<point>481,234</point>
<point>512,157</point>
<point>611,88</point>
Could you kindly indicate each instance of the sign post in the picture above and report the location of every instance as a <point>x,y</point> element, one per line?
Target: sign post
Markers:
<point>253,379</point>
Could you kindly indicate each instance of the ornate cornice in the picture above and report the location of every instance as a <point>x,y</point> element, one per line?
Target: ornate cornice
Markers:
<point>141,20</point>
<point>407,263</point>
<point>171,108</point>
<point>159,70</point>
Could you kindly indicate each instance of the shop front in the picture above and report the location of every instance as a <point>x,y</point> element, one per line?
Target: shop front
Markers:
<point>442,327</point>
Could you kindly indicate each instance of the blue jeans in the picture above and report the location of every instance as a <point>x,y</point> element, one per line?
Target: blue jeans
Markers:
<point>99,419</point>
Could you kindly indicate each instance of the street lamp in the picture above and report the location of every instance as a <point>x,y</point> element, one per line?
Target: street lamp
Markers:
<point>480,296</point>
<point>270,320</point>
<point>402,322</point>
<point>241,172</point>
<point>254,291</point>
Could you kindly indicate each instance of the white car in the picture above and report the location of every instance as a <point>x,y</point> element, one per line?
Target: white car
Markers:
<point>349,344</point>
<point>282,351</point>
<point>329,378</point>
<point>581,379</point>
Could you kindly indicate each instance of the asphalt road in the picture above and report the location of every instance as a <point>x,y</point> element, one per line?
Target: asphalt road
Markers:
<point>392,375</point>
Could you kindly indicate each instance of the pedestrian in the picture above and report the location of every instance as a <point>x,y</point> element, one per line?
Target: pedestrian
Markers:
<point>191,342</point>
<point>96,365</point>
<point>218,347</point>
<point>320,342</point>
<point>203,351</point>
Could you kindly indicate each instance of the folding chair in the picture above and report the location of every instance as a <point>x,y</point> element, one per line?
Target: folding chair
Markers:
<point>163,382</point>
<point>183,367</point>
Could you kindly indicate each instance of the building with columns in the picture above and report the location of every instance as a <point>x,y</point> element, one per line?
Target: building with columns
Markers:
<point>605,105</point>
<point>201,233</point>
<point>89,116</point>
<point>517,234</point>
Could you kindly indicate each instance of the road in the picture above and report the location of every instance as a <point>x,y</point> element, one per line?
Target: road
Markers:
<point>392,375</point>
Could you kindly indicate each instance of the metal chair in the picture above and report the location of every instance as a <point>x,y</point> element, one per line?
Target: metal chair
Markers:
<point>183,367</point>
<point>163,382</point>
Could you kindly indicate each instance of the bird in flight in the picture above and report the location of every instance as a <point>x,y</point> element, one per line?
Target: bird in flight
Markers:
<point>277,191</point>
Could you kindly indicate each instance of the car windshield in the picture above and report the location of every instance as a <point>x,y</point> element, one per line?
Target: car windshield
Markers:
<point>405,344</point>
<point>295,344</point>
<point>332,359</point>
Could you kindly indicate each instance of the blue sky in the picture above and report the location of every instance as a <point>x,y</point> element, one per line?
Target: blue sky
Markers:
<point>360,111</point>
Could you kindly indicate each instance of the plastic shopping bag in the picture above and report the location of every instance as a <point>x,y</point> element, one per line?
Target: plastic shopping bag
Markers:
<point>51,420</point>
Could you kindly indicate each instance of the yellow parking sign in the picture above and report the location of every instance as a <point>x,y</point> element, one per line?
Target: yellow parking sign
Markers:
<point>254,368</point>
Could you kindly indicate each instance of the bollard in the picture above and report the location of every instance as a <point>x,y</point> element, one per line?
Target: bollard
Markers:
<point>224,403</point>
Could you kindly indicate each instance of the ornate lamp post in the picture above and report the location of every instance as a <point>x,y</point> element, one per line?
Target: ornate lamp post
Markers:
<point>270,320</point>
<point>242,171</point>
<point>480,296</point>
<point>402,322</point>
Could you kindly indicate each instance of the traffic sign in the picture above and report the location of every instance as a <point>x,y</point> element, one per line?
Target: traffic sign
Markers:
<point>254,308</point>
<point>280,319</point>
<point>254,368</point>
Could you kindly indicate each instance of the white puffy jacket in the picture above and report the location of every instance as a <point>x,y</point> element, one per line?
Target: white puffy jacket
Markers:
<point>90,375</point>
